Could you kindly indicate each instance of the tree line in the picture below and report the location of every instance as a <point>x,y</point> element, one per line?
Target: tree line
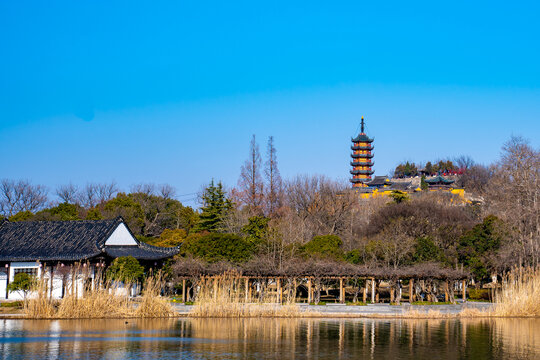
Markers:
<point>312,219</point>
<point>148,209</point>
<point>457,166</point>
<point>318,219</point>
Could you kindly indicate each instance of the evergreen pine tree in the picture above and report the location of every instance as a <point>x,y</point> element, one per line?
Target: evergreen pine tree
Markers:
<point>215,208</point>
<point>423,183</point>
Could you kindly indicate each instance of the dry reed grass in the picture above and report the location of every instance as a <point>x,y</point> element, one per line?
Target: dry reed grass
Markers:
<point>152,304</point>
<point>97,303</point>
<point>39,305</point>
<point>227,296</point>
<point>99,298</point>
<point>224,296</point>
<point>519,295</point>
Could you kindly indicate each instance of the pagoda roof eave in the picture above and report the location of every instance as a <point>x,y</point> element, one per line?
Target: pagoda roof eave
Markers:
<point>362,138</point>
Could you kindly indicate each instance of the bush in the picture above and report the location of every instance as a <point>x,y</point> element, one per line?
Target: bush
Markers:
<point>479,294</point>
<point>214,247</point>
<point>325,246</point>
<point>126,269</point>
<point>11,304</point>
<point>354,257</point>
<point>23,283</point>
<point>426,250</point>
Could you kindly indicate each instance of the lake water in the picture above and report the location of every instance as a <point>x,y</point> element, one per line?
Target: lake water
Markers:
<point>270,339</point>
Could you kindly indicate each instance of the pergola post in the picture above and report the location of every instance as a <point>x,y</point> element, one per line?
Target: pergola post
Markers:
<point>51,279</point>
<point>372,290</point>
<point>364,295</point>
<point>7,279</point>
<point>183,290</point>
<point>446,295</point>
<point>411,290</point>
<point>309,290</point>
<point>246,286</point>
<point>464,289</point>
<point>278,288</point>
<point>341,292</point>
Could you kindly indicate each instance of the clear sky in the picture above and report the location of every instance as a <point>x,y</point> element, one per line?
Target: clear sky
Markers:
<point>171,92</point>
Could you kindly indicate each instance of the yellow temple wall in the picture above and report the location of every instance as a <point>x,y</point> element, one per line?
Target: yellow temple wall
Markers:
<point>376,193</point>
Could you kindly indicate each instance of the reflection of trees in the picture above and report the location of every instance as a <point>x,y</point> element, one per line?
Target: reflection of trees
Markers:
<point>275,338</point>
<point>367,338</point>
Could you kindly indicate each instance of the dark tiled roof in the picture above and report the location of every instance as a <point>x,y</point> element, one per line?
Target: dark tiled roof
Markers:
<point>439,180</point>
<point>379,180</point>
<point>400,185</point>
<point>142,252</point>
<point>61,240</point>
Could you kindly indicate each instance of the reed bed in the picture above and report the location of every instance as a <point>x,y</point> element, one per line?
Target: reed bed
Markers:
<point>519,294</point>
<point>227,296</point>
<point>39,305</point>
<point>97,303</point>
<point>152,305</point>
<point>99,298</point>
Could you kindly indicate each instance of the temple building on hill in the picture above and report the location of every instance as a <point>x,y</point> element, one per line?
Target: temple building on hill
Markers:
<point>361,158</point>
<point>367,187</point>
<point>439,183</point>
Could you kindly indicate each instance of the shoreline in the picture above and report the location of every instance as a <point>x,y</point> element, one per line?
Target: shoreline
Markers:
<point>382,311</point>
<point>373,310</point>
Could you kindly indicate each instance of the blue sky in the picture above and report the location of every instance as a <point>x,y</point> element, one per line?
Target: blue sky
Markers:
<point>172,91</point>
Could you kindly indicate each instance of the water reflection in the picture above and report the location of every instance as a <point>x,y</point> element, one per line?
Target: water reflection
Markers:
<point>270,338</point>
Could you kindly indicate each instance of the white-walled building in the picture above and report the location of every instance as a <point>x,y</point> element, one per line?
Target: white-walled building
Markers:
<point>49,249</point>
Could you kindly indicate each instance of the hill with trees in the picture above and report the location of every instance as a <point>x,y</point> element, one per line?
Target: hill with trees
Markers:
<point>311,220</point>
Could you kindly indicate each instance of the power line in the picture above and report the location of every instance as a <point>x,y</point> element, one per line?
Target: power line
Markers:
<point>190,194</point>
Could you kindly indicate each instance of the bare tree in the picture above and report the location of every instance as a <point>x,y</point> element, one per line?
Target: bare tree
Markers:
<point>464,162</point>
<point>147,189</point>
<point>514,196</point>
<point>68,193</point>
<point>475,178</point>
<point>274,195</point>
<point>166,191</point>
<point>96,193</point>
<point>87,196</point>
<point>17,196</point>
<point>250,182</point>
<point>106,191</point>
<point>395,244</point>
<point>319,206</point>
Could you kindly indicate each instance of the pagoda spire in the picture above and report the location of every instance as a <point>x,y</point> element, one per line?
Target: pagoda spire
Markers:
<point>362,127</point>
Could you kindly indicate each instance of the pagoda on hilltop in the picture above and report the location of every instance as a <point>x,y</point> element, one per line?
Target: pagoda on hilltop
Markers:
<point>361,158</point>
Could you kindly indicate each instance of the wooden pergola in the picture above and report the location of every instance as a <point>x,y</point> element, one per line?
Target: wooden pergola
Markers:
<point>340,274</point>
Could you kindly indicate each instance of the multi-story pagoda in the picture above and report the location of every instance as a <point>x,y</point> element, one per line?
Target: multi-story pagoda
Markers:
<point>361,158</point>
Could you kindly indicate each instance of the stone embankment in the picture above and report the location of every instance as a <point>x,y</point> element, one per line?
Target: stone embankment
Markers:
<point>373,310</point>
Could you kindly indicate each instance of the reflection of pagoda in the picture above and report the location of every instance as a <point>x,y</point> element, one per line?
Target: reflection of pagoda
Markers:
<point>361,158</point>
